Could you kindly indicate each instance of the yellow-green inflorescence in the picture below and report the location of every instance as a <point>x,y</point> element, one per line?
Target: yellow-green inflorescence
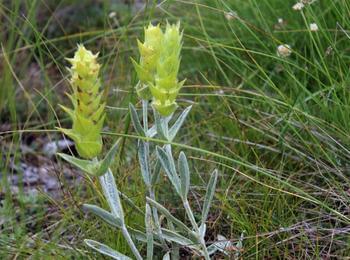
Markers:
<point>88,109</point>
<point>158,67</point>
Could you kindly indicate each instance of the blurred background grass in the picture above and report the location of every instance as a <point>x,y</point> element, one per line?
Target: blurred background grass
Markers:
<point>277,128</point>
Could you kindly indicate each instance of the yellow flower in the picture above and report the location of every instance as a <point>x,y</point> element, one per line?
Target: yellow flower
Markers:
<point>159,66</point>
<point>88,109</point>
<point>149,56</point>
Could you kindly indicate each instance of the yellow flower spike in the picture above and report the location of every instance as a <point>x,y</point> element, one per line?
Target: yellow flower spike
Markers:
<point>149,56</point>
<point>166,85</point>
<point>158,67</point>
<point>88,110</point>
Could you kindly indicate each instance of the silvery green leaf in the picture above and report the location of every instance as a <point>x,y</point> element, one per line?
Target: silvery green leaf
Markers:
<point>156,171</point>
<point>178,123</point>
<point>220,245</point>
<point>149,231</point>
<point>159,125</point>
<point>89,167</point>
<point>152,131</point>
<point>107,161</point>
<point>168,164</point>
<point>209,195</point>
<point>184,174</point>
<point>175,237</point>
<point>165,125</point>
<point>112,194</point>
<point>145,114</point>
<point>106,250</point>
<point>202,230</point>
<point>104,215</point>
<point>135,121</point>
<point>168,215</point>
<point>140,236</point>
<point>166,256</point>
<point>131,203</point>
<point>143,154</point>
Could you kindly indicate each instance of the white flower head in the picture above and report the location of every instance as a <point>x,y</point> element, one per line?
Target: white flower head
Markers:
<point>280,20</point>
<point>298,6</point>
<point>313,27</point>
<point>284,50</point>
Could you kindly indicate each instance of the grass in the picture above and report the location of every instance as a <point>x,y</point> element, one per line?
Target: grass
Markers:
<point>277,128</point>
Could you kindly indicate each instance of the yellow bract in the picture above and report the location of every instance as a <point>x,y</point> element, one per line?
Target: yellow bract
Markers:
<point>159,66</point>
<point>88,109</point>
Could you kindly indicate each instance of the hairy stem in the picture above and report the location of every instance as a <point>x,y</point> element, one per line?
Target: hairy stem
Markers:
<point>196,228</point>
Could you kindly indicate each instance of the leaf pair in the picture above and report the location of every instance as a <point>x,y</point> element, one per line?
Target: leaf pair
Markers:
<point>92,167</point>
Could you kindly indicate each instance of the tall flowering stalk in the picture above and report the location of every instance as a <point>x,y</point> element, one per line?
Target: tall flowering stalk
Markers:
<point>157,71</point>
<point>164,87</point>
<point>88,115</point>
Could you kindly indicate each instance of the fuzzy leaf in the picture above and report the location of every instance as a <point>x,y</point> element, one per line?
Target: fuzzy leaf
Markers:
<point>107,161</point>
<point>168,164</point>
<point>143,154</point>
<point>135,121</point>
<point>184,174</point>
<point>178,123</point>
<point>106,250</point>
<point>111,193</point>
<point>149,232</point>
<point>169,216</point>
<point>156,172</point>
<point>175,237</point>
<point>209,195</point>
<point>87,166</point>
<point>159,125</point>
<point>104,215</point>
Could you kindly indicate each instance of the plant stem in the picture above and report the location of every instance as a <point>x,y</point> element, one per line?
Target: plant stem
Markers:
<point>111,193</point>
<point>156,220</point>
<point>151,191</point>
<point>196,228</point>
<point>130,242</point>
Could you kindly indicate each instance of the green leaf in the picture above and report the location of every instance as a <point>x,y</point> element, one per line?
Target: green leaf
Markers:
<point>87,166</point>
<point>143,154</point>
<point>104,215</point>
<point>135,121</point>
<point>184,174</point>
<point>169,167</point>
<point>106,250</point>
<point>94,168</point>
<point>178,123</point>
<point>169,216</point>
<point>111,193</point>
<point>149,232</point>
<point>209,195</point>
<point>156,172</point>
<point>177,238</point>
<point>107,161</point>
<point>161,131</point>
